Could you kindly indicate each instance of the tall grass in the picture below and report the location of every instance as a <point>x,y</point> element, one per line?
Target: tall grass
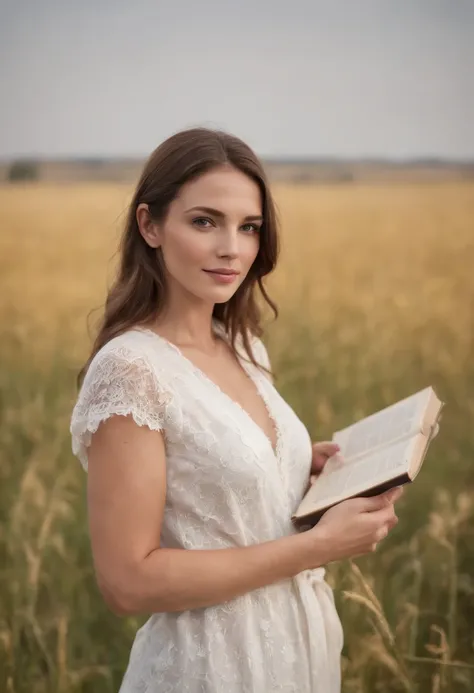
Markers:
<point>376,296</point>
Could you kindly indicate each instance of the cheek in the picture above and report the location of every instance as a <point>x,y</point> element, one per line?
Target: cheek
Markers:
<point>189,248</point>
<point>250,250</point>
<point>186,248</point>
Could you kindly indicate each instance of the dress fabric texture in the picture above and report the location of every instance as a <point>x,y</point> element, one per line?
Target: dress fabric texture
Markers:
<point>226,487</point>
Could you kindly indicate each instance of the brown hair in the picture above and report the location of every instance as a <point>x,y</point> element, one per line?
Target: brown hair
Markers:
<point>139,291</point>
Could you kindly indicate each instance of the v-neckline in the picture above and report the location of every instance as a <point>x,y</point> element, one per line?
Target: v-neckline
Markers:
<point>220,331</point>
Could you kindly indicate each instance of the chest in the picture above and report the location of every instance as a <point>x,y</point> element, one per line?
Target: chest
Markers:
<point>240,387</point>
<point>237,432</point>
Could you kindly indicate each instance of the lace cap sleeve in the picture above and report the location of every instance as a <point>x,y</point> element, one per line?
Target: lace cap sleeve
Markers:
<point>117,382</point>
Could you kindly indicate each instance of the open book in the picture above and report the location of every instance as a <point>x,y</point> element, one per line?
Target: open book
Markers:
<point>383,450</point>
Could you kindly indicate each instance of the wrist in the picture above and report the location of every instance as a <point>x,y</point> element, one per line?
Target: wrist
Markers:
<point>318,547</point>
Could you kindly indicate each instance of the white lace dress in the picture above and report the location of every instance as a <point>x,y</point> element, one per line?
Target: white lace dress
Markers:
<point>226,487</point>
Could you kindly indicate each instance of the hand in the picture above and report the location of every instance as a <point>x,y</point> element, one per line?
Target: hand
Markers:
<point>321,453</point>
<point>354,527</point>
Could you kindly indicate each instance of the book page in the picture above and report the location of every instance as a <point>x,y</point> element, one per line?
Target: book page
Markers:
<point>397,421</point>
<point>345,478</point>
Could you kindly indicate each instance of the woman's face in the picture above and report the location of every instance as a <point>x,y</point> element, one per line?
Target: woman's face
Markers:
<point>214,222</point>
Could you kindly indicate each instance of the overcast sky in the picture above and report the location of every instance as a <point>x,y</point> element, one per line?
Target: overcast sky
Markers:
<point>291,77</point>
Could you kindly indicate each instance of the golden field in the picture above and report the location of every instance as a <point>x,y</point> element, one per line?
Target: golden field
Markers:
<point>375,288</point>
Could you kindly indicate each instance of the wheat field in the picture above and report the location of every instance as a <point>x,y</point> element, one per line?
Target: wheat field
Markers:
<point>375,290</point>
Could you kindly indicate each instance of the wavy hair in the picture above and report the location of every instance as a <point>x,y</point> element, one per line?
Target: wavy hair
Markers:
<point>139,290</point>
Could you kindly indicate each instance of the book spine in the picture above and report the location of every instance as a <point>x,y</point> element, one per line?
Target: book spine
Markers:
<point>309,521</point>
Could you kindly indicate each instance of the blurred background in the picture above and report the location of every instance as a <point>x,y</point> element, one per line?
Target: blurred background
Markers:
<point>364,116</point>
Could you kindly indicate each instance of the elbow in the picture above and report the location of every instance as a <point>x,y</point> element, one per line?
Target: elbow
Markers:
<point>118,603</point>
<point>119,607</point>
<point>120,600</point>
<point>116,609</point>
<point>125,593</point>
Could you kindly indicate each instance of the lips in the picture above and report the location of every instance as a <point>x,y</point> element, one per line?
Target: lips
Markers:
<point>226,272</point>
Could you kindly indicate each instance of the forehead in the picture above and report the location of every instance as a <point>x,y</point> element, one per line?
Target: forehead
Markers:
<point>222,188</point>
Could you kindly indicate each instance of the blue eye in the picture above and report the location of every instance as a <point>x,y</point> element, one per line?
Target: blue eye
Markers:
<point>199,219</point>
<point>205,223</point>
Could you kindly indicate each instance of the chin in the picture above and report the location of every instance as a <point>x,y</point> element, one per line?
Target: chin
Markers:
<point>224,294</point>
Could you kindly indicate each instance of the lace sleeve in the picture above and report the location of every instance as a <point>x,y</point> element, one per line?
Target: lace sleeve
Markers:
<point>117,382</point>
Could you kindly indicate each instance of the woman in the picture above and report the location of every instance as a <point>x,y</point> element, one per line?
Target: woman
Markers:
<point>195,462</point>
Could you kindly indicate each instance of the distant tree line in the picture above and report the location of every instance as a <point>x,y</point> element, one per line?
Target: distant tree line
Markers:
<point>23,170</point>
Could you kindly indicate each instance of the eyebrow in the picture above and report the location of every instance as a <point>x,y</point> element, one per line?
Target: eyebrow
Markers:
<point>221,215</point>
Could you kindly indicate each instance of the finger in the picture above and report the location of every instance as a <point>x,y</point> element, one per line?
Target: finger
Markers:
<point>384,516</point>
<point>326,448</point>
<point>321,453</point>
<point>392,522</point>
<point>381,533</point>
<point>318,462</point>
<point>382,500</point>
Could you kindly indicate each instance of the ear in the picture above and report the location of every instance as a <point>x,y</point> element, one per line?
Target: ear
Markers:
<point>147,227</point>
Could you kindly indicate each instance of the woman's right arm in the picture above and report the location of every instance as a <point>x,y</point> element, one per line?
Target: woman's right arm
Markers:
<point>126,499</point>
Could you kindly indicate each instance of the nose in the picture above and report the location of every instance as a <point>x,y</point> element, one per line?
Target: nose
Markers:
<point>229,244</point>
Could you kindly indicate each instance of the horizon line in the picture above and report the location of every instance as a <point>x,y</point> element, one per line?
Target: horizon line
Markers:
<point>280,159</point>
